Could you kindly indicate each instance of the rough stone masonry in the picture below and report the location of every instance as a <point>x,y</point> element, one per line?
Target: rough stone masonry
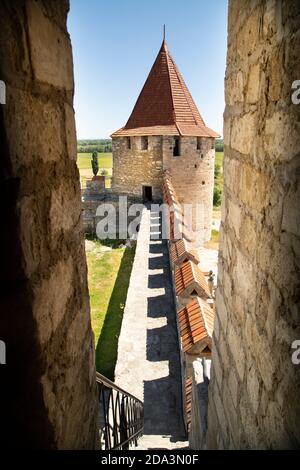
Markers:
<point>254,390</point>
<point>48,384</point>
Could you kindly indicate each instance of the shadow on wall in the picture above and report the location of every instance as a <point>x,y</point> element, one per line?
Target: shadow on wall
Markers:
<point>107,346</point>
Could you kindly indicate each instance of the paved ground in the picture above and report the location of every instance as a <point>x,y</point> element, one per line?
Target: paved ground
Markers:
<point>148,363</point>
<point>209,260</point>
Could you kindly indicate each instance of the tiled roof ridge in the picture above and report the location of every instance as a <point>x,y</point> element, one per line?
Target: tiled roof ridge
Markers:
<point>194,326</point>
<point>186,93</point>
<point>203,302</point>
<point>164,44</point>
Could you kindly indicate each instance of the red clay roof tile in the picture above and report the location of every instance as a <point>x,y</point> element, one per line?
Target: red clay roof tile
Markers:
<point>190,280</point>
<point>196,320</point>
<point>180,251</point>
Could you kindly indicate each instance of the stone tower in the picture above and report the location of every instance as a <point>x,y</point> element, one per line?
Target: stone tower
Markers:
<point>166,132</point>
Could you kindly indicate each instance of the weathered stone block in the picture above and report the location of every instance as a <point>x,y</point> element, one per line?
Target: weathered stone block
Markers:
<point>30,238</point>
<point>70,132</point>
<point>51,298</point>
<point>49,42</point>
<point>236,347</point>
<point>291,210</point>
<point>253,85</point>
<point>64,211</point>
<point>233,386</point>
<point>282,136</point>
<point>217,370</point>
<point>253,387</point>
<point>243,131</point>
<point>24,109</point>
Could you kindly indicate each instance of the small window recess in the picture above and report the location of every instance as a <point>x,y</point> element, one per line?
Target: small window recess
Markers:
<point>128,142</point>
<point>144,143</point>
<point>176,147</point>
<point>199,143</point>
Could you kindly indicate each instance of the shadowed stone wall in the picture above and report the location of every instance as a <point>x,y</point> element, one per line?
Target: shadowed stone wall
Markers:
<point>48,384</point>
<point>254,385</point>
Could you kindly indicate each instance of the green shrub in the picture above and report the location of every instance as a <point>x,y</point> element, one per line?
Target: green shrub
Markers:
<point>217,195</point>
<point>217,170</point>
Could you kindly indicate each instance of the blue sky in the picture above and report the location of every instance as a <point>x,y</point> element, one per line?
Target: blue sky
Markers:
<point>115,43</point>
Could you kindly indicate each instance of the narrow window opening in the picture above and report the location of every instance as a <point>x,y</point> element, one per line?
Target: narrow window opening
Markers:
<point>198,143</point>
<point>176,147</point>
<point>128,139</point>
<point>144,143</point>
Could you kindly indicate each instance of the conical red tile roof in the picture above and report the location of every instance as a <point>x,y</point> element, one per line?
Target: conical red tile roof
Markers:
<point>165,105</point>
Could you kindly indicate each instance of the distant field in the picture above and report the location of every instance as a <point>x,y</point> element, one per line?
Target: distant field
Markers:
<point>84,161</point>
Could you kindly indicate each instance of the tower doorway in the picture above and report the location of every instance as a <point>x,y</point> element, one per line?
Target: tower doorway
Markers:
<point>147,193</point>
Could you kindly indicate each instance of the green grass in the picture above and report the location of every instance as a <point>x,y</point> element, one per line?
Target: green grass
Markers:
<point>215,236</point>
<point>219,159</point>
<point>108,277</point>
<point>84,161</point>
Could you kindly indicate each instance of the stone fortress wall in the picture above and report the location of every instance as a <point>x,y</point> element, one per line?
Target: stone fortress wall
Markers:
<point>48,385</point>
<point>134,167</point>
<point>192,172</point>
<point>193,176</point>
<point>254,387</point>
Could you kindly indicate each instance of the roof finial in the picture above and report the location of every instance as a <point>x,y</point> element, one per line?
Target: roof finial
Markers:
<point>164,32</point>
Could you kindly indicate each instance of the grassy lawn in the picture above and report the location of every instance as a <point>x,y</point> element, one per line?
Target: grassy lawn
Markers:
<point>108,277</point>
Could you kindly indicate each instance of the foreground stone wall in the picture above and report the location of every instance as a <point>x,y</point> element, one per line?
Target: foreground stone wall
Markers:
<point>193,177</point>
<point>254,388</point>
<point>48,384</point>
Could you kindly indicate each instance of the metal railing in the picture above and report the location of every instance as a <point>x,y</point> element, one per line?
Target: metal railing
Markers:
<point>120,416</point>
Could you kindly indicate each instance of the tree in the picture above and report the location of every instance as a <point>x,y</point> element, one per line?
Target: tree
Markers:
<point>94,162</point>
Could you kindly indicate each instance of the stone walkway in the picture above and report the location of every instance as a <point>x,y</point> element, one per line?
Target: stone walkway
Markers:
<point>148,364</point>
